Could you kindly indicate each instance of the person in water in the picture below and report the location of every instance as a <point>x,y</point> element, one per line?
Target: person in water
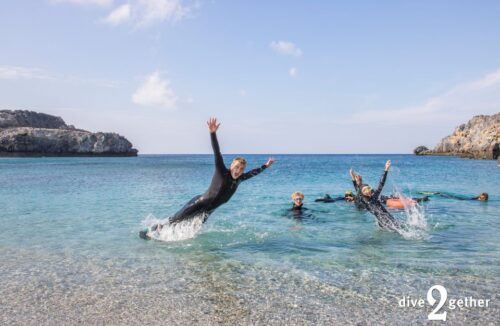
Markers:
<point>371,200</point>
<point>357,182</point>
<point>348,197</point>
<point>224,183</point>
<point>298,212</point>
<point>398,202</point>
<point>390,201</point>
<point>481,197</point>
<point>298,201</point>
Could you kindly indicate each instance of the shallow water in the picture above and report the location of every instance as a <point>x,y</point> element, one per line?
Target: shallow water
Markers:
<point>70,250</point>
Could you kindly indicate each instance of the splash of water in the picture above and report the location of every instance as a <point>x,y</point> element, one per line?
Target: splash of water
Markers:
<point>183,230</point>
<point>415,223</point>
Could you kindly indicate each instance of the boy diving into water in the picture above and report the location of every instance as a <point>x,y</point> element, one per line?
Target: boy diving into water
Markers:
<point>224,184</point>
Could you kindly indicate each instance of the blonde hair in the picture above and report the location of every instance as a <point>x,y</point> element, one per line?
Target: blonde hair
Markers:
<point>297,194</point>
<point>366,190</point>
<point>240,160</point>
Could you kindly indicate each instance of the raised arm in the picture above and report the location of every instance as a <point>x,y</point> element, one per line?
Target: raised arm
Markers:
<point>356,179</point>
<point>382,179</point>
<point>212,127</point>
<point>254,172</point>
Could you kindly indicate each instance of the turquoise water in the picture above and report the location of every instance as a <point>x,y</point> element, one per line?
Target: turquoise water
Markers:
<point>70,250</point>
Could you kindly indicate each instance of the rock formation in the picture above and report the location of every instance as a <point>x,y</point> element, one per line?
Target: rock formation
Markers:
<point>28,133</point>
<point>479,138</point>
<point>420,150</point>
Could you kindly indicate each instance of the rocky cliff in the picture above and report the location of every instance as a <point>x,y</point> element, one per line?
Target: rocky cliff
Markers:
<point>28,133</point>
<point>478,138</point>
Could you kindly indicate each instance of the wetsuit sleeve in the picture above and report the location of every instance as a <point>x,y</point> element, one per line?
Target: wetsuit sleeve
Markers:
<point>355,185</point>
<point>219,161</point>
<point>380,185</point>
<point>252,173</point>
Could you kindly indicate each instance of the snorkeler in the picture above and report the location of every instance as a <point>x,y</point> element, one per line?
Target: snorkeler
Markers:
<point>298,201</point>
<point>371,200</point>
<point>223,186</point>
<point>481,197</point>
<point>348,197</point>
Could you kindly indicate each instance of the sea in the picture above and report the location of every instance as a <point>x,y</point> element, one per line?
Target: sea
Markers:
<point>70,251</point>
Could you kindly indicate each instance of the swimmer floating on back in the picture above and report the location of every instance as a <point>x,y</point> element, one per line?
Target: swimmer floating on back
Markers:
<point>224,184</point>
<point>401,202</point>
<point>481,197</point>
<point>348,197</point>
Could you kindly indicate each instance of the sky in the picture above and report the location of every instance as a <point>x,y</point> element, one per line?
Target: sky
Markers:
<point>335,77</point>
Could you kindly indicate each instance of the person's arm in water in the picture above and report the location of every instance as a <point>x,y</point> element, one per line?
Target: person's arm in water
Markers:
<point>382,180</point>
<point>212,127</point>
<point>254,172</point>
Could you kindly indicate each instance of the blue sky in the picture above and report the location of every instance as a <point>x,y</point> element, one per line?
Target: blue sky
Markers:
<point>282,76</point>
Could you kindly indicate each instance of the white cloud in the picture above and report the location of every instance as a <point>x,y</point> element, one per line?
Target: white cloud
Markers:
<point>148,12</point>
<point>119,15</point>
<point>293,72</point>
<point>142,13</point>
<point>286,48</point>
<point>481,96</point>
<point>102,3</point>
<point>15,72</point>
<point>152,11</point>
<point>155,92</point>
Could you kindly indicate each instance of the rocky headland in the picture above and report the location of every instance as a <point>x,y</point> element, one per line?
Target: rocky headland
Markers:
<point>28,133</point>
<point>479,138</point>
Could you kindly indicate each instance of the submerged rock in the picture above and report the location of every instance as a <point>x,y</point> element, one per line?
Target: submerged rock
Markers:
<point>479,138</point>
<point>28,133</point>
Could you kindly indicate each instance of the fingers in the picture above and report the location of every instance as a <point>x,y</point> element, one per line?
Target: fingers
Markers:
<point>212,124</point>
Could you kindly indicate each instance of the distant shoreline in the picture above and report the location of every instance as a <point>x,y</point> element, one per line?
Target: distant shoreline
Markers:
<point>34,154</point>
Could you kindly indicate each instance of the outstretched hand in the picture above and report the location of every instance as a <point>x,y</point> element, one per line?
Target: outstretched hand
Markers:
<point>351,173</point>
<point>213,125</point>
<point>269,162</point>
<point>387,165</point>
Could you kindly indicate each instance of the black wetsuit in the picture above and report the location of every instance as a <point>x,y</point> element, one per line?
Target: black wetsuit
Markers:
<point>299,212</point>
<point>450,196</point>
<point>357,198</point>
<point>374,205</point>
<point>328,199</point>
<point>221,189</point>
